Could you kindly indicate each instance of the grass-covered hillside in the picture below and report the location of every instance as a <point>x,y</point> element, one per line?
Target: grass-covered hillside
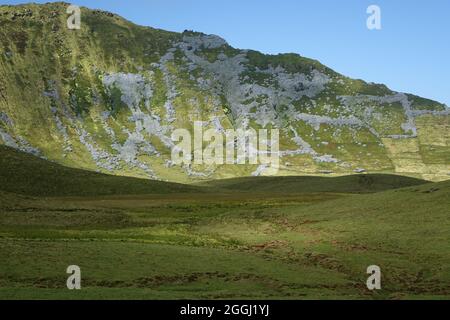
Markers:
<point>25,174</point>
<point>361,183</point>
<point>108,96</point>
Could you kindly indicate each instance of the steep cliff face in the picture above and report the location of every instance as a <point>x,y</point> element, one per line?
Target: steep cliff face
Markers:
<point>108,96</point>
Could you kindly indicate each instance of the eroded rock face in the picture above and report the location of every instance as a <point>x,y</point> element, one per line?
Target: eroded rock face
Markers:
<point>133,88</point>
<point>18,142</point>
<point>116,107</point>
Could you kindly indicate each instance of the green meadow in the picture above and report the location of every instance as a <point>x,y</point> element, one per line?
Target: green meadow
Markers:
<point>250,238</point>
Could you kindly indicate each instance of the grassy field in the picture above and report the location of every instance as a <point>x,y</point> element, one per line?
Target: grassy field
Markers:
<point>228,239</point>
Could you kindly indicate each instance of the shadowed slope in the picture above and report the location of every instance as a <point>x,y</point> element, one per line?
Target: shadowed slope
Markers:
<point>301,184</point>
<point>23,173</point>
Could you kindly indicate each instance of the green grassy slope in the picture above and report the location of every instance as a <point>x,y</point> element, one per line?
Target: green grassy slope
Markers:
<point>26,174</point>
<point>352,183</point>
<point>12,200</point>
<point>74,96</point>
<point>23,173</point>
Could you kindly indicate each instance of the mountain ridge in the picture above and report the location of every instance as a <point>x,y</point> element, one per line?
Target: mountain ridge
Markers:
<point>107,97</point>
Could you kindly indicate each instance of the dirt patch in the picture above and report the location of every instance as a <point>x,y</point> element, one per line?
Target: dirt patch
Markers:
<point>269,245</point>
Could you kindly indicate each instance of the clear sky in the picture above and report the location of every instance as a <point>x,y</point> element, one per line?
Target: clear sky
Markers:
<point>411,53</point>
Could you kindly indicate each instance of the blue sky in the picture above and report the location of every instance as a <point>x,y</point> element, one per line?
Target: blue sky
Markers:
<point>410,53</point>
